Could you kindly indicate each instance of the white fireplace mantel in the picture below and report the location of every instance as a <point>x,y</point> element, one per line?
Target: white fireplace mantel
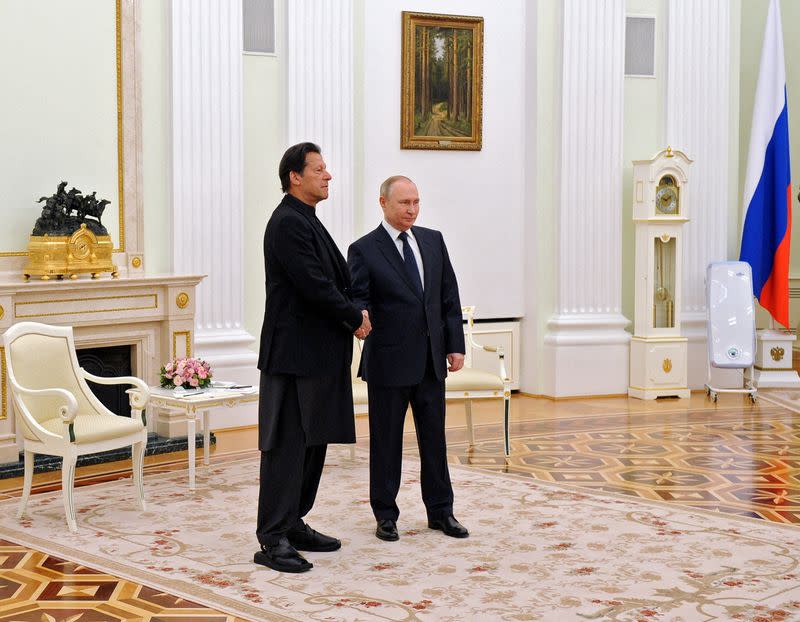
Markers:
<point>153,314</point>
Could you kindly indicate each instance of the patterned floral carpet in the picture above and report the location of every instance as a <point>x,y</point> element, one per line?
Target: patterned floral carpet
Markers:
<point>538,551</point>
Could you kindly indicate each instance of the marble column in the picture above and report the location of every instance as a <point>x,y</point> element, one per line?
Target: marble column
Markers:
<point>586,349</point>
<point>697,121</point>
<point>320,98</point>
<point>207,180</point>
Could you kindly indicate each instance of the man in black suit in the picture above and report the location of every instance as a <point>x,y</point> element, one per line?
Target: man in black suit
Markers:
<point>306,398</point>
<point>402,275</point>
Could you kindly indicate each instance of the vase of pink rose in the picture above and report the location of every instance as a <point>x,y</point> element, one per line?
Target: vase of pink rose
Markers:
<point>189,373</point>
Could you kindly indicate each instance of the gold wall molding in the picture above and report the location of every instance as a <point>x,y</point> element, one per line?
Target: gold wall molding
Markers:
<point>153,305</point>
<point>188,335</point>
<point>2,312</point>
<point>181,300</point>
<point>136,262</point>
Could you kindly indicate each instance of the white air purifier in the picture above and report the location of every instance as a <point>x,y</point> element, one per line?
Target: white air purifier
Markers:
<point>731,322</point>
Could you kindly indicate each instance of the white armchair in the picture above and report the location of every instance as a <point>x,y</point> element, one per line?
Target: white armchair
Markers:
<point>476,384</point>
<point>57,412</point>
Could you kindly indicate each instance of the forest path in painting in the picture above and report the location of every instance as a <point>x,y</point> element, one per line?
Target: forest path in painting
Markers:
<point>437,125</point>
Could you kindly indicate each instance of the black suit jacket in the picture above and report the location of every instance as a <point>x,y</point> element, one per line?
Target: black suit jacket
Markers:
<point>308,325</point>
<point>405,326</point>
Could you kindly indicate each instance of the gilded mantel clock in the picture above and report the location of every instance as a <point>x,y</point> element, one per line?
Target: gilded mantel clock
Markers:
<point>659,355</point>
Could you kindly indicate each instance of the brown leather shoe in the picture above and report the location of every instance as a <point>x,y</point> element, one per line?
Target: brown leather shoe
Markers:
<point>450,526</point>
<point>387,530</point>
<point>282,557</point>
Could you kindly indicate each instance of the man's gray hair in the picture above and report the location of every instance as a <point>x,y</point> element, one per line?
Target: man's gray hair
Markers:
<point>386,186</point>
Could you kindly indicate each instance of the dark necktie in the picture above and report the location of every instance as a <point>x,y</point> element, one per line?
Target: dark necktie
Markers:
<point>410,263</point>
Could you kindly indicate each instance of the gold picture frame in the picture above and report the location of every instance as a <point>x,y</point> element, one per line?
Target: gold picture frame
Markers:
<point>442,82</point>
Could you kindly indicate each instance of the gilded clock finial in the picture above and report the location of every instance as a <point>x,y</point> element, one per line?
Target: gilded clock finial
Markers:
<point>669,152</point>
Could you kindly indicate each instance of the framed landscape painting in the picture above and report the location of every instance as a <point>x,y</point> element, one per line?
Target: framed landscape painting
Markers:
<point>442,89</point>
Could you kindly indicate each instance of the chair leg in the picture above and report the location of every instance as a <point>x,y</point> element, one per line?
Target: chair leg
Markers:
<point>470,429</point>
<point>26,483</point>
<point>67,487</point>
<point>137,453</point>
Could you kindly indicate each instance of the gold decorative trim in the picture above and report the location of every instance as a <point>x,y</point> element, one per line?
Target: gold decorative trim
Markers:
<point>2,312</point>
<point>181,300</point>
<point>4,407</point>
<point>82,312</point>
<point>188,335</point>
<point>136,262</point>
<point>667,365</point>
<point>659,388</point>
<point>120,144</point>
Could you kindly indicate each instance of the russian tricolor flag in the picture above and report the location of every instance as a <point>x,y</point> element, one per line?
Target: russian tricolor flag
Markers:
<point>768,183</point>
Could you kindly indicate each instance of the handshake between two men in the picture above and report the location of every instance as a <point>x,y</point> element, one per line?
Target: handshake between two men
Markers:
<point>362,331</point>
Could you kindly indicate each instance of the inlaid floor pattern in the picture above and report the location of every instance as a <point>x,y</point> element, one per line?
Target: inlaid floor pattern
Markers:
<point>737,461</point>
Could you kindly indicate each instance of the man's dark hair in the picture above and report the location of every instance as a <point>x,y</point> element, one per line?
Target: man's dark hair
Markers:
<point>294,160</point>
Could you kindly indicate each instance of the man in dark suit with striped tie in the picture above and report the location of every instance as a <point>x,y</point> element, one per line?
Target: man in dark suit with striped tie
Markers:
<point>401,274</point>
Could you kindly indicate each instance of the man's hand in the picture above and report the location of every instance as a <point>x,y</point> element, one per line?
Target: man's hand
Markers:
<point>365,328</point>
<point>455,361</point>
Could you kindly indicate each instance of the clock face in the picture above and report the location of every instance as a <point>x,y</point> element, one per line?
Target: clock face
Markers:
<point>81,246</point>
<point>667,200</point>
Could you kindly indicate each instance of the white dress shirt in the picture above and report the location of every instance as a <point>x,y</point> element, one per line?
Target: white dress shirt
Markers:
<point>412,241</point>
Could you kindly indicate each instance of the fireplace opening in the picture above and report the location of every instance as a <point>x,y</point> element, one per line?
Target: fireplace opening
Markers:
<point>109,362</point>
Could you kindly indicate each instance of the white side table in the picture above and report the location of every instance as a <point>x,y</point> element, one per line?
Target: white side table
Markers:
<point>202,402</point>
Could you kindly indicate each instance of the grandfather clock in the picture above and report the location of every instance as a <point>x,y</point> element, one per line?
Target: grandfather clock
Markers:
<point>659,354</point>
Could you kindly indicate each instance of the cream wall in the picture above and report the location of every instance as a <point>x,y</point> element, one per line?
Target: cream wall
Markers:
<point>156,128</point>
<point>643,137</point>
<point>263,147</point>
<point>58,110</point>
<point>474,197</point>
<point>540,216</point>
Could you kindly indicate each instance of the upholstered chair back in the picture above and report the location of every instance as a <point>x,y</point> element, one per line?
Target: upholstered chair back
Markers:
<point>42,361</point>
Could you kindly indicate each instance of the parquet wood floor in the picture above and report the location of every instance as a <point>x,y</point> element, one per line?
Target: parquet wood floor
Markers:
<point>731,457</point>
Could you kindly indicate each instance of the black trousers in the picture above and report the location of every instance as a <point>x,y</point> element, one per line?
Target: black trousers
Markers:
<point>387,412</point>
<point>290,474</point>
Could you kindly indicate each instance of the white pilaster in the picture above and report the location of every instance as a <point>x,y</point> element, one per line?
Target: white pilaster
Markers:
<point>319,99</point>
<point>207,204</point>
<point>698,123</point>
<point>586,346</point>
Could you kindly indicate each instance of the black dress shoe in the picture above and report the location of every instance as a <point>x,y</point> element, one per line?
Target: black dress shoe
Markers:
<point>387,530</point>
<point>307,539</point>
<point>450,526</point>
<point>282,557</point>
